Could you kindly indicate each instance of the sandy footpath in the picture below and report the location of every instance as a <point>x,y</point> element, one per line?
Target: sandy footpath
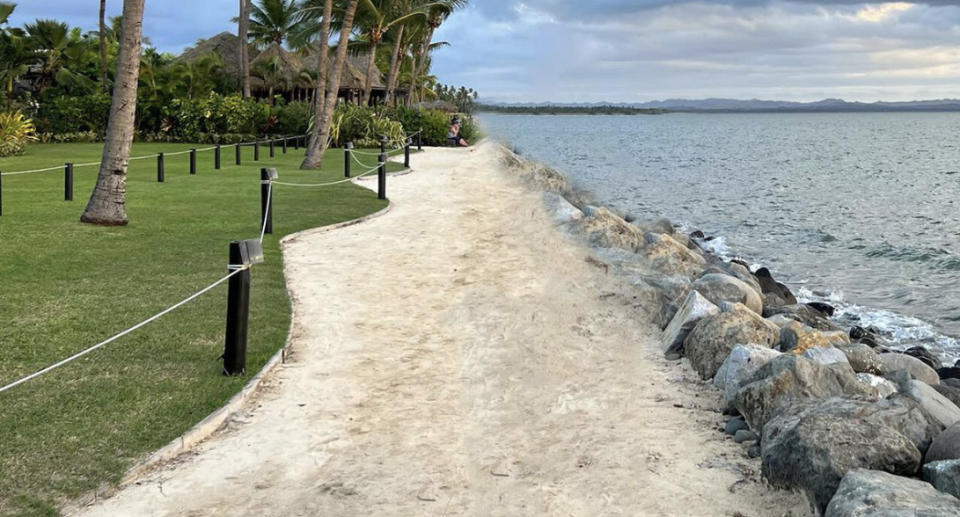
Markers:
<point>459,356</point>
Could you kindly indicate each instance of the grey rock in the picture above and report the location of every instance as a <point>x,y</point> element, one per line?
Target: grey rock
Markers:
<point>720,288</point>
<point>945,446</point>
<point>735,424</point>
<point>924,355</point>
<point>745,435</point>
<point>813,445</point>
<point>940,408</point>
<point>826,355</point>
<point>944,475</point>
<point>955,383</point>
<point>604,229</point>
<point>949,392</point>
<point>804,314</point>
<point>662,226</point>
<point>916,368</point>
<point>739,366</point>
<point>862,358</point>
<point>753,451</point>
<point>779,320</point>
<point>561,211</point>
<point>878,386</point>
<point>951,372</point>
<point>872,493</point>
<point>798,338</point>
<point>789,379</point>
<point>709,343</point>
<point>824,308</point>
<point>669,257</point>
<point>694,308</point>
<point>769,285</point>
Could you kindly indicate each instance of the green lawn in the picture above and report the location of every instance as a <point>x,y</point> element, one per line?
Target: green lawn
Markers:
<point>65,286</point>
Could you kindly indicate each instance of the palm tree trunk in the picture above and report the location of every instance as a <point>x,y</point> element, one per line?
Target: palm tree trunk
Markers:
<point>395,60</point>
<point>243,30</point>
<point>422,61</point>
<point>314,154</point>
<point>330,103</point>
<point>371,68</point>
<point>107,205</point>
<point>104,78</point>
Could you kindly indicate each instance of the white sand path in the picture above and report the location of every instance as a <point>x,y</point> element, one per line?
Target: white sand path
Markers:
<point>459,356</point>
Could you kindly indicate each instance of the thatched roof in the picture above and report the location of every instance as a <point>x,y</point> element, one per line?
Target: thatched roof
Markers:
<point>225,45</point>
<point>289,64</point>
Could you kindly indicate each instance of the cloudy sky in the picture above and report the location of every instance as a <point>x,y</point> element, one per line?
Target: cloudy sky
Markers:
<point>637,50</point>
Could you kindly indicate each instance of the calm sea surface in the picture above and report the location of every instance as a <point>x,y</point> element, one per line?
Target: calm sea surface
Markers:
<point>861,210</point>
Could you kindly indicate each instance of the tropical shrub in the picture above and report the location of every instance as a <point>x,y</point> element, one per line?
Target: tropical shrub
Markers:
<point>62,115</point>
<point>364,127</point>
<point>16,131</point>
<point>436,125</point>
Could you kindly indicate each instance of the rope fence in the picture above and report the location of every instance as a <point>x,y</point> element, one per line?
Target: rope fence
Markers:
<point>243,255</point>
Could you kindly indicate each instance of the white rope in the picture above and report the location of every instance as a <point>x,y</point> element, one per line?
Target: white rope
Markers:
<point>388,152</point>
<point>121,334</point>
<point>263,231</point>
<point>330,183</point>
<point>357,160</point>
<point>17,173</point>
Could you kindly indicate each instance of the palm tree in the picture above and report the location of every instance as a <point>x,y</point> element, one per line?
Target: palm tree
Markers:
<point>314,154</point>
<point>48,39</point>
<point>6,9</point>
<point>273,21</point>
<point>15,59</point>
<point>107,205</point>
<point>318,145</point>
<point>438,13</point>
<point>243,30</point>
<point>104,78</point>
<point>379,16</point>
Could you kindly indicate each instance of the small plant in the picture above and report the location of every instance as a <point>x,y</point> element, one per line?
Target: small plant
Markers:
<point>16,131</point>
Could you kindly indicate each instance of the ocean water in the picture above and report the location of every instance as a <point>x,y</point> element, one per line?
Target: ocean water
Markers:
<point>859,210</point>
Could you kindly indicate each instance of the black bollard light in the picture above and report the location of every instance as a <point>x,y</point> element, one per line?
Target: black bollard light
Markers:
<point>382,177</point>
<point>160,168</point>
<point>383,144</point>
<point>238,154</point>
<point>347,148</point>
<point>406,154</point>
<point>216,157</point>
<point>266,203</point>
<point>193,161</point>
<point>238,311</point>
<point>68,182</point>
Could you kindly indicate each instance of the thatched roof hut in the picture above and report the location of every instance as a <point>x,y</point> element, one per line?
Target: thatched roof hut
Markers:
<point>288,64</point>
<point>225,45</point>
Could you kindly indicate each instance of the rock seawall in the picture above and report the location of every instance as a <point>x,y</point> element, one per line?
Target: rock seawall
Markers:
<point>828,410</point>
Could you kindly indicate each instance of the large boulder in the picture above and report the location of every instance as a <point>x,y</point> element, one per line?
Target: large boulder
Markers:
<point>812,445</point>
<point>878,386</point>
<point>939,407</point>
<point>719,288</point>
<point>944,475</point>
<point>669,257</point>
<point>605,229</point>
<point>712,339</point>
<point>949,392</point>
<point>695,307</point>
<point>798,338</point>
<point>561,211</point>
<point>769,286</point>
<point>789,379</point>
<point>927,357</point>
<point>950,372</point>
<point>872,493</point>
<point>739,366</point>
<point>826,355</point>
<point>945,446</point>
<point>893,362</point>
<point>804,314</point>
<point>862,358</point>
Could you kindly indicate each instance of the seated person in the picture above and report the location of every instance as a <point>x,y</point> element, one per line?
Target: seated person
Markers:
<point>453,136</point>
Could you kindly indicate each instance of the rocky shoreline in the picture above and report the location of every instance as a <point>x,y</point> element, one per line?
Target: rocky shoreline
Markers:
<point>859,428</point>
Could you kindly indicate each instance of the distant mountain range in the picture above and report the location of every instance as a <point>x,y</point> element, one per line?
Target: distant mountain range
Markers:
<point>758,106</point>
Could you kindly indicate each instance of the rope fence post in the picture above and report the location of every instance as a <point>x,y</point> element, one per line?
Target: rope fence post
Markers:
<point>346,159</point>
<point>383,144</point>
<point>283,144</point>
<point>216,157</point>
<point>256,151</point>
<point>296,143</point>
<point>160,168</point>
<point>406,154</point>
<point>1,193</point>
<point>238,312</point>
<point>266,207</point>
<point>420,139</point>
<point>272,145</point>
<point>68,182</point>
<point>238,154</point>
<point>382,177</point>
<point>193,161</point>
